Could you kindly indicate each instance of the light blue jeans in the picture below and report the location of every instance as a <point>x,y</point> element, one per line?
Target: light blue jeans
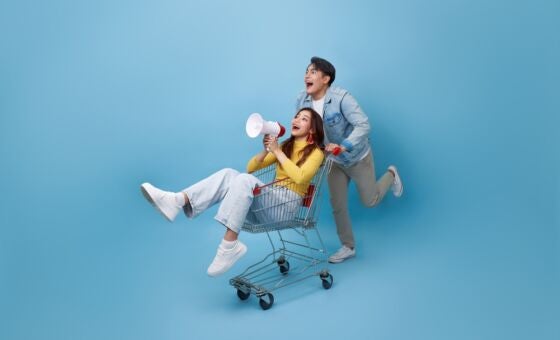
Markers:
<point>235,192</point>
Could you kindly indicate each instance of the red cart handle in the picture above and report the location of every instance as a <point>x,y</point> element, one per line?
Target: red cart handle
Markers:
<point>336,151</point>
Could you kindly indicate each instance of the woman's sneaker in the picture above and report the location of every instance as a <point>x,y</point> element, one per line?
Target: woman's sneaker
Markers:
<point>163,201</point>
<point>397,186</point>
<point>342,254</point>
<point>226,258</point>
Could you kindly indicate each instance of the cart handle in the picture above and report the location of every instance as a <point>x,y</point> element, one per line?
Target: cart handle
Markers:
<point>336,151</point>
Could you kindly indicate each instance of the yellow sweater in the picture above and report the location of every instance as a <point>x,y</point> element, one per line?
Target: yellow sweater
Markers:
<point>300,175</point>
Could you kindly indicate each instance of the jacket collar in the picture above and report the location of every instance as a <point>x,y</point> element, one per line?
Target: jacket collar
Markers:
<point>328,96</point>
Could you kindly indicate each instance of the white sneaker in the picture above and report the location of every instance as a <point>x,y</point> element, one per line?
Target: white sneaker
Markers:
<point>397,186</point>
<point>225,258</point>
<point>163,201</point>
<point>342,254</point>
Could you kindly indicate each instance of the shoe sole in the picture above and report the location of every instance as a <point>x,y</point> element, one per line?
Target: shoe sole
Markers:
<point>236,258</point>
<point>341,260</point>
<point>399,194</point>
<point>151,201</point>
<point>398,178</point>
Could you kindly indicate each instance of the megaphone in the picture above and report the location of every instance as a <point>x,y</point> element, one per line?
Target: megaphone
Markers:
<point>256,125</point>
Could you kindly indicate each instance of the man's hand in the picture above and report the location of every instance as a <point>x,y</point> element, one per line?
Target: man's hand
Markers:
<point>331,148</point>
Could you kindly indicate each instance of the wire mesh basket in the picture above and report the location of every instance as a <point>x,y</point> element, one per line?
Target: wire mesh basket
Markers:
<point>290,223</point>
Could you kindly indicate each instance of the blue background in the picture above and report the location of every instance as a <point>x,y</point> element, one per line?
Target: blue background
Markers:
<point>97,97</point>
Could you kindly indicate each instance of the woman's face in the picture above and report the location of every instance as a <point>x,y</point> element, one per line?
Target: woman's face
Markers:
<point>301,124</point>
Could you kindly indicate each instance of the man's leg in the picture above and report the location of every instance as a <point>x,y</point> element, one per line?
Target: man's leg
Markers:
<point>338,188</point>
<point>371,191</point>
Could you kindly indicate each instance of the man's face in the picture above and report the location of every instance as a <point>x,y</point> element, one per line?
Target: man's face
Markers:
<point>315,80</point>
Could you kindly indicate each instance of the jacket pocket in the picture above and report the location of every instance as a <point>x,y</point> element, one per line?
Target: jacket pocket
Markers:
<point>333,119</point>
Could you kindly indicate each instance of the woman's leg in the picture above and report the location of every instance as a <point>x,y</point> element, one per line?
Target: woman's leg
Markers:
<point>230,235</point>
<point>195,199</point>
<point>232,212</point>
<point>237,201</point>
<point>207,192</point>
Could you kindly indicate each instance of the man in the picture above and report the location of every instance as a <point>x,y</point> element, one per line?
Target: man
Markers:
<point>346,126</point>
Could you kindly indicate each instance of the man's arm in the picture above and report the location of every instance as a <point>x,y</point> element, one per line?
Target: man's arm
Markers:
<point>355,116</point>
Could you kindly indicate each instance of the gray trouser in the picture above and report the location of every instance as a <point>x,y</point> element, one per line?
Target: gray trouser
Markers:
<point>371,192</point>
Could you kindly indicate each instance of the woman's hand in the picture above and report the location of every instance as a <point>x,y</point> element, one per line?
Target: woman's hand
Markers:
<point>271,143</point>
<point>265,138</point>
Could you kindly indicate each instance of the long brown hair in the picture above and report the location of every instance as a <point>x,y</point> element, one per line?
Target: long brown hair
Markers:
<point>318,137</point>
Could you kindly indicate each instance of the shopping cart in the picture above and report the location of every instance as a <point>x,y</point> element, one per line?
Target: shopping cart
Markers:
<point>290,223</point>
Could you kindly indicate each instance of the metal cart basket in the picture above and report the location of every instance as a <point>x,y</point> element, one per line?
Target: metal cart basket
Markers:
<point>290,222</point>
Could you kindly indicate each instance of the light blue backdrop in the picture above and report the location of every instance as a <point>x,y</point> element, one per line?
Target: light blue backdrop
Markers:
<point>97,97</point>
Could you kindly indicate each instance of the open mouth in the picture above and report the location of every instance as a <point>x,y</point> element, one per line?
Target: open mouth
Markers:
<point>295,128</point>
<point>308,85</point>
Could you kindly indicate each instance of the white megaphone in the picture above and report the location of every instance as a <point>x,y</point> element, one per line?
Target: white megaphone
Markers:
<point>256,125</point>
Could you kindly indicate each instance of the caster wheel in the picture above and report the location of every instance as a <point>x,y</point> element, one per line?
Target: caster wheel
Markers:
<point>327,280</point>
<point>242,295</point>
<point>284,267</point>
<point>264,303</point>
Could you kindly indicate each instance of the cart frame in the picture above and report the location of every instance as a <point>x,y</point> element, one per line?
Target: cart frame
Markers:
<point>270,215</point>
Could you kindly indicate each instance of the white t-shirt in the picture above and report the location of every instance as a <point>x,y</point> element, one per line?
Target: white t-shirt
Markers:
<point>318,106</point>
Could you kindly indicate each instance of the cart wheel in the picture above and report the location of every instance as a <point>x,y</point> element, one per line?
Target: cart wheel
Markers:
<point>264,304</point>
<point>242,295</point>
<point>327,280</point>
<point>285,267</point>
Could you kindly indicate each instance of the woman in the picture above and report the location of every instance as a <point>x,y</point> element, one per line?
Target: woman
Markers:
<point>298,159</point>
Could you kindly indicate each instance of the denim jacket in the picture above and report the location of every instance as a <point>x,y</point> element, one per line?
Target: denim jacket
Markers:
<point>344,122</point>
